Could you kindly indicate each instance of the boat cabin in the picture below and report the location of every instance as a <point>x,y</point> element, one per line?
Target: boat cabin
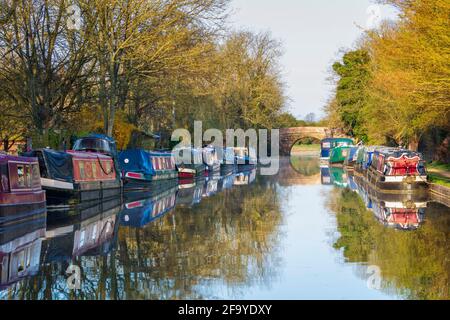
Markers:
<point>330,143</point>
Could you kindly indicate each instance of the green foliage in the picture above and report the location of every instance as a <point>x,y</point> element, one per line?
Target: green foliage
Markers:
<point>351,95</point>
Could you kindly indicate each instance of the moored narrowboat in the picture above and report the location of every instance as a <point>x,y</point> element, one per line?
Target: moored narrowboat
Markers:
<point>21,195</point>
<point>395,170</point>
<point>88,172</point>
<point>189,163</point>
<point>351,158</point>
<point>327,145</point>
<point>228,162</point>
<point>211,160</point>
<point>143,170</point>
<point>339,154</point>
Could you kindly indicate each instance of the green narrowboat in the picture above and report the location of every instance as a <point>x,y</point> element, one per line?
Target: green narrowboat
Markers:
<point>340,154</point>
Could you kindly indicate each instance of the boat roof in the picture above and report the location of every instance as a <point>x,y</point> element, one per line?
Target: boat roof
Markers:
<point>7,157</point>
<point>99,136</point>
<point>88,155</point>
<point>337,140</point>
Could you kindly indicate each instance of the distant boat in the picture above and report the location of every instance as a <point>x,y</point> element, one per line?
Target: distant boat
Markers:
<point>341,152</point>
<point>190,163</point>
<point>211,160</point>
<point>327,145</point>
<point>147,170</point>
<point>88,172</point>
<point>228,162</point>
<point>21,195</point>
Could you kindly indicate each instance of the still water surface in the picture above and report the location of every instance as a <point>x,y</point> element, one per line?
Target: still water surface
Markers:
<point>303,234</point>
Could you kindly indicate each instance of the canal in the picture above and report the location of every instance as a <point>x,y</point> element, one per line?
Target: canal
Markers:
<point>306,233</point>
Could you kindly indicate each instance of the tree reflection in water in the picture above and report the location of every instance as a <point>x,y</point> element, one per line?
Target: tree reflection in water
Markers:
<point>227,241</point>
<point>414,264</point>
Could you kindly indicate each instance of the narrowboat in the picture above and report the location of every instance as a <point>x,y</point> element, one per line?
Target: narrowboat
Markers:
<point>352,157</point>
<point>143,170</point>
<point>245,159</point>
<point>189,163</point>
<point>395,170</point>
<point>88,172</point>
<point>21,195</point>
<point>211,160</point>
<point>228,163</point>
<point>20,257</point>
<point>328,144</point>
<point>138,214</point>
<point>339,154</point>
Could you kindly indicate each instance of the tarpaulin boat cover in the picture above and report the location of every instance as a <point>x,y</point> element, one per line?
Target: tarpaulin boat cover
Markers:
<point>57,165</point>
<point>139,161</point>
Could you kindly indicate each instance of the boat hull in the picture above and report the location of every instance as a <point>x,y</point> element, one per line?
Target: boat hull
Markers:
<point>191,172</point>
<point>397,185</point>
<point>21,207</point>
<point>82,191</point>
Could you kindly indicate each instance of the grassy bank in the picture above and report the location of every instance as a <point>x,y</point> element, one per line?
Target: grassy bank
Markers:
<point>306,148</point>
<point>439,173</point>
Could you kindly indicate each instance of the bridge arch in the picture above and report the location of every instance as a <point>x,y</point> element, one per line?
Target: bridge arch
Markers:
<point>289,136</point>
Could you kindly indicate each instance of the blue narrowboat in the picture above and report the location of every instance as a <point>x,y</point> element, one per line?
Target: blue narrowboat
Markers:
<point>145,170</point>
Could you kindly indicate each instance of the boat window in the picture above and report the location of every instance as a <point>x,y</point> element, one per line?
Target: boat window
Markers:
<point>94,171</point>
<point>92,144</point>
<point>82,171</point>
<point>326,145</point>
<point>108,167</point>
<point>20,176</point>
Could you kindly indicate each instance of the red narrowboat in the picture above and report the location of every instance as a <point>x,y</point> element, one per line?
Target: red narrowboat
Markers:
<point>88,172</point>
<point>21,195</point>
<point>396,170</point>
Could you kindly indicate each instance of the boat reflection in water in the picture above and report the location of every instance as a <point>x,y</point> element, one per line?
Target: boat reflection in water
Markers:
<point>92,233</point>
<point>140,213</point>
<point>190,192</point>
<point>403,212</point>
<point>245,178</point>
<point>20,251</point>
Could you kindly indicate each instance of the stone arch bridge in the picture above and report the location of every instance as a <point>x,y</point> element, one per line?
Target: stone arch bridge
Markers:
<point>289,136</point>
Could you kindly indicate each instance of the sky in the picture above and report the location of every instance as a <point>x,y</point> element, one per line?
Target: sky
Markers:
<point>312,33</point>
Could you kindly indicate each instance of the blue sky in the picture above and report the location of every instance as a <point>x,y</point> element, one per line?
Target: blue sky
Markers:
<point>312,32</point>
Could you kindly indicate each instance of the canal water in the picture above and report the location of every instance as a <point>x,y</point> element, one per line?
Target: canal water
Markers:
<point>307,233</point>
